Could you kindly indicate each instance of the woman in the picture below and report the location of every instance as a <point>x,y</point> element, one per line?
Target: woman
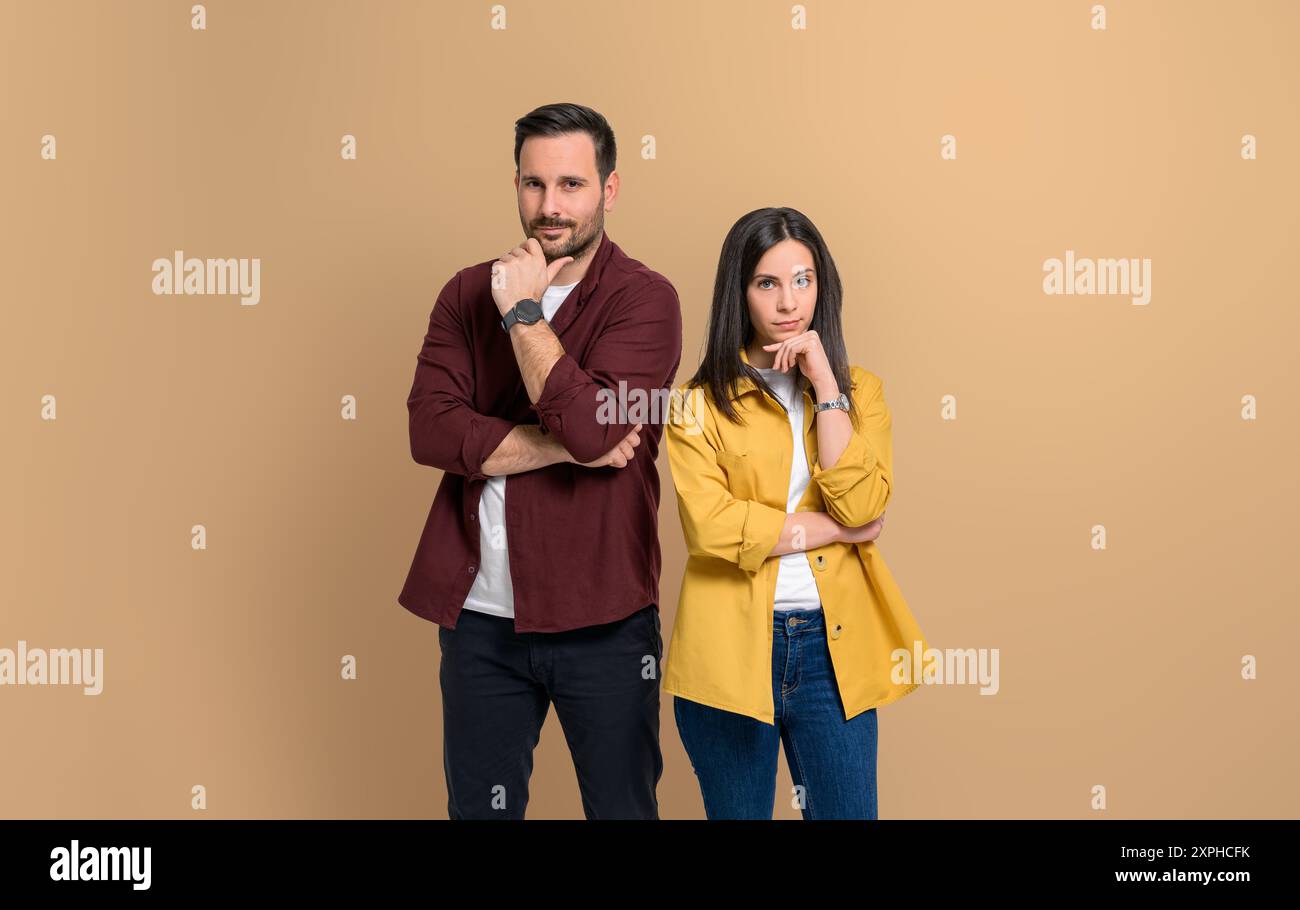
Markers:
<point>788,619</point>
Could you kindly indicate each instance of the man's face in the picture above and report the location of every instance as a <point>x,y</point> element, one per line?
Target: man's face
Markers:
<point>559,187</point>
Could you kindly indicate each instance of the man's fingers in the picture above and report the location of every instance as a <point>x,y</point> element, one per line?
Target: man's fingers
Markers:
<point>623,452</point>
<point>553,268</point>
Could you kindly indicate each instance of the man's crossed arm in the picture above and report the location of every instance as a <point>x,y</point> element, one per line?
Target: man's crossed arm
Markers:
<point>640,347</point>
<point>527,448</point>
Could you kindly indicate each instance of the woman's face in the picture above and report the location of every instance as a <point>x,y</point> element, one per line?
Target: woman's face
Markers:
<point>782,294</point>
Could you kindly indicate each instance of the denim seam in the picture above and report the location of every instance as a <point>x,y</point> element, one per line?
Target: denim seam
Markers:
<point>794,648</point>
<point>789,651</point>
<point>704,791</point>
<point>807,791</point>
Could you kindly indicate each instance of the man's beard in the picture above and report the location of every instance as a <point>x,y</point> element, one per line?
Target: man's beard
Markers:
<point>581,238</point>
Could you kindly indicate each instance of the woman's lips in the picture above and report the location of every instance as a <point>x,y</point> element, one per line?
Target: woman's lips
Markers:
<point>793,323</point>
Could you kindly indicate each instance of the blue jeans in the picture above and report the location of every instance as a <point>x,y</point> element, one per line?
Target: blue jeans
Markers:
<point>832,761</point>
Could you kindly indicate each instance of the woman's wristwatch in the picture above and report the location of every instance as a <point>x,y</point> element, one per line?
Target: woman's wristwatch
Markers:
<point>841,403</point>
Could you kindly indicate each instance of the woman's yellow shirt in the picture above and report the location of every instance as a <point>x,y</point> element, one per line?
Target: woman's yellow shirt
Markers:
<point>733,482</point>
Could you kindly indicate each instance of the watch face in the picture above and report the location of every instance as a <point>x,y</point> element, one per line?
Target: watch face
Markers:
<point>529,311</point>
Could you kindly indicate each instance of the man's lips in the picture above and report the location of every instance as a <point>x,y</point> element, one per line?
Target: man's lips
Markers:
<point>552,230</point>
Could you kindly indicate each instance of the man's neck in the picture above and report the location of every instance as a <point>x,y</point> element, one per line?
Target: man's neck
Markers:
<point>574,271</point>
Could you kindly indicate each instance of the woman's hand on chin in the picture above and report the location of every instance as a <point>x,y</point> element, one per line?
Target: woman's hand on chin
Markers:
<point>806,351</point>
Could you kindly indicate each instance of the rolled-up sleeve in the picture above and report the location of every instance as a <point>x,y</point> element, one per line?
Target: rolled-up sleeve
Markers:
<point>446,432</point>
<point>714,522</point>
<point>857,488</point>
<point>640,347</point>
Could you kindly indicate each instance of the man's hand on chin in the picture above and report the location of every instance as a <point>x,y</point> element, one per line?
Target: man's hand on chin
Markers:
<point>523,272</point>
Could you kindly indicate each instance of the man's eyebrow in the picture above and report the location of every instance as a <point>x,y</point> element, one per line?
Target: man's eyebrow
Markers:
<point>562,178</point>
<point>797,272</point>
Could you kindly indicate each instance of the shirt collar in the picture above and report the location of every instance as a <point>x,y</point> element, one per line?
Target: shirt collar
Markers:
<point>586,287</point>
<point>604,250</point>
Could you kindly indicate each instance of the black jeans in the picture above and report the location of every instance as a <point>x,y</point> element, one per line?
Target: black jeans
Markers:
<point>497,686</point>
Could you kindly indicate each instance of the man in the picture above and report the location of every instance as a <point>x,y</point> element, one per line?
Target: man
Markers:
<point>539,560</point>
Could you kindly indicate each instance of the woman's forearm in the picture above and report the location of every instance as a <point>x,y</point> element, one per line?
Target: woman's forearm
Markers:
<point>806,530</point>
<point>833,428</point>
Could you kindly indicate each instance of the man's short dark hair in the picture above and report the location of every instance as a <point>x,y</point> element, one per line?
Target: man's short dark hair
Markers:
<point>558,119</point>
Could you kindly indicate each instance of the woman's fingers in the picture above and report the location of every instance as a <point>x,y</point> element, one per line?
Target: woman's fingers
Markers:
<point>782,356</point>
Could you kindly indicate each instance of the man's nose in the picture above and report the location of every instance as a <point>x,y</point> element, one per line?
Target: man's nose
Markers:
<point>551,204</point>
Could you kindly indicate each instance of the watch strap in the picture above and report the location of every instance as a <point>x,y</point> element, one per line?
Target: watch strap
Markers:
<point>512,314</point>
<point>841,404</point>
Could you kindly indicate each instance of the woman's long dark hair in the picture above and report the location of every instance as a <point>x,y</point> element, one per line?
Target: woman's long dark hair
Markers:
<point>730,328</point>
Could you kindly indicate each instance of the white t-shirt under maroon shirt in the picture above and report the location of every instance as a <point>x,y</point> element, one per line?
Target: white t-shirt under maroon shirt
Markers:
<point>493,592</point>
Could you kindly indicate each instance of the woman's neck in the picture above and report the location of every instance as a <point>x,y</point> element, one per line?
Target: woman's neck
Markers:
<point>759,359</point>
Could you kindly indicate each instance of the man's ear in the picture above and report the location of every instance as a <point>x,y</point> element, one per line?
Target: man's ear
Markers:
<point>611,191</point>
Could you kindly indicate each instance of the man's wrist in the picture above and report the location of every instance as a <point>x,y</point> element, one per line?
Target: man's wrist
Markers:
<point>550,444</point>
<point>526,327</point>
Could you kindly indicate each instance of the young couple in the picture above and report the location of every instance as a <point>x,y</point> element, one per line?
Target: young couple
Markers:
<point>781,457</point>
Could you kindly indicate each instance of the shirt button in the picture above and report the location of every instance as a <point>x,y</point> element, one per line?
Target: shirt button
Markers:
<point>471,570</point>
<point>835,630</point>
<point>473,517</point>
<point>820,562</point>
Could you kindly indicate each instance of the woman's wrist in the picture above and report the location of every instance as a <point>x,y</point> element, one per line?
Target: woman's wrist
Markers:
<point>825,390</point>
<point>836,530</point>
<point>831,530</point>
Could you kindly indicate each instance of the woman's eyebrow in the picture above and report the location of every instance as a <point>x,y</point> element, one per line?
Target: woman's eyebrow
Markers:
<point>801,271</point>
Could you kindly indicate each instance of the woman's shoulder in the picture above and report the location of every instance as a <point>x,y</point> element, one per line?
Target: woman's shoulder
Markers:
<point>863,379</point>
<point>690,407</point>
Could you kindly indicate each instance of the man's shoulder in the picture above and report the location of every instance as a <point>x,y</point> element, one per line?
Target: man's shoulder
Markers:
<point>468,283</point>
<point>476,277</point>
<point>625,273</point>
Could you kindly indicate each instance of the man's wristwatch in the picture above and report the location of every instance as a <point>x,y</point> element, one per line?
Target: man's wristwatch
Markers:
<point>527,311</point>
<point>841,403</point>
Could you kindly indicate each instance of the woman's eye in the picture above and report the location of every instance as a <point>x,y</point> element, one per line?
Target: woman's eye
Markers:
<point>764,281</point>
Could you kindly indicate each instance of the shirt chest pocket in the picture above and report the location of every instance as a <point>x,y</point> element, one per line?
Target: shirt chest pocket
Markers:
<point>755,475</point>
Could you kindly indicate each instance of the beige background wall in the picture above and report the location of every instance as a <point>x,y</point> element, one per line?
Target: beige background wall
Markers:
<point>1118,667</point>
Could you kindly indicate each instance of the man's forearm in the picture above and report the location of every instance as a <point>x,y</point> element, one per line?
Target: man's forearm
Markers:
<point>536,350</point>
<point>525,448</point>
